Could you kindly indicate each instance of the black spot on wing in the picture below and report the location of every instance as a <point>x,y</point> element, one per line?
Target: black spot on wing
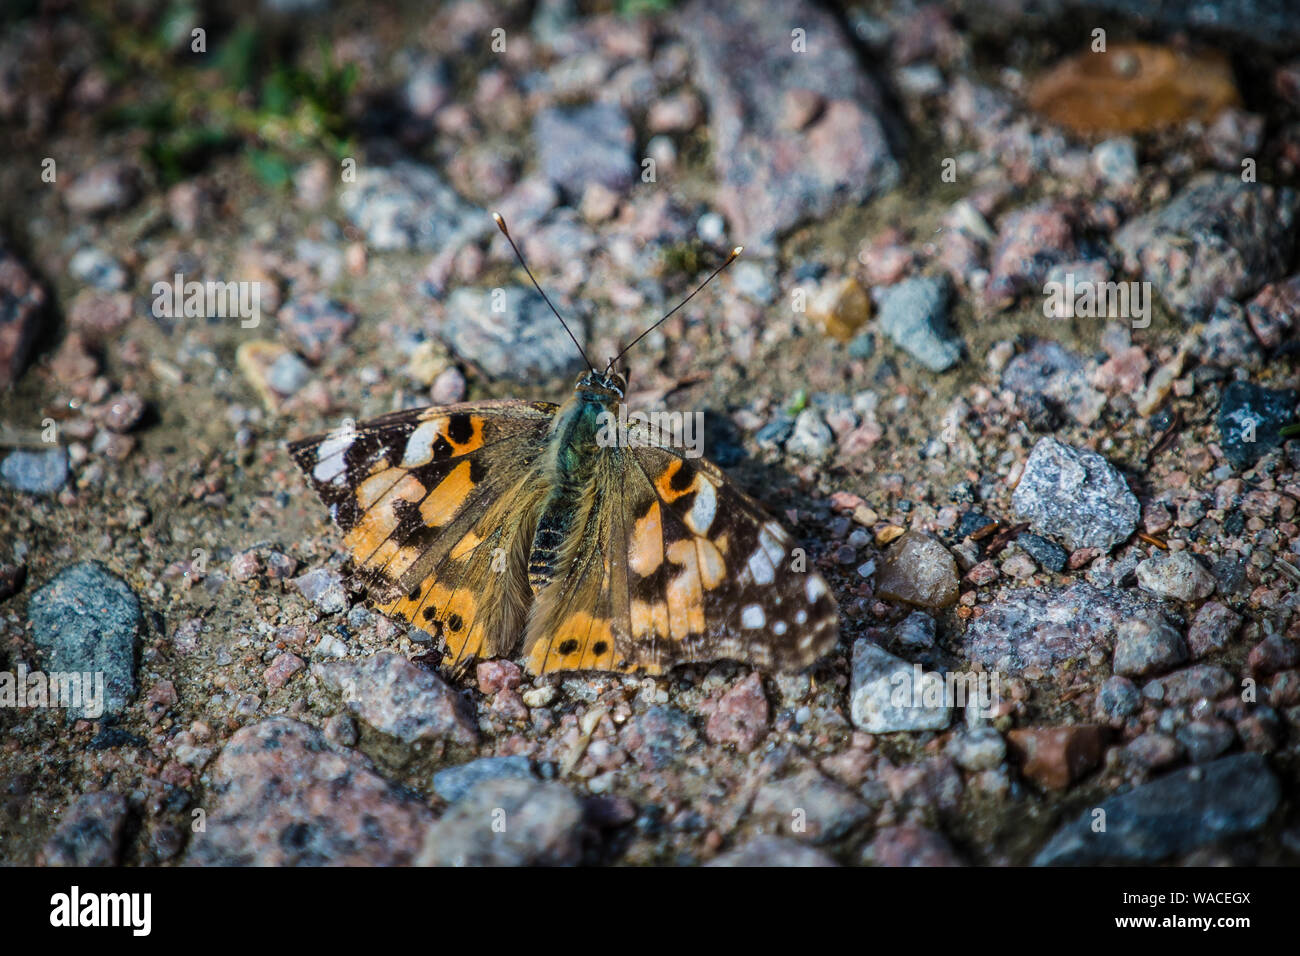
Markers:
<point>459,428</point>
<point>682,477</point>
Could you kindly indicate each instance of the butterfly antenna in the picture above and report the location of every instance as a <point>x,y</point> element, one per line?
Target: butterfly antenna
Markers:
<point>501,224</point>
<point>735,253</point>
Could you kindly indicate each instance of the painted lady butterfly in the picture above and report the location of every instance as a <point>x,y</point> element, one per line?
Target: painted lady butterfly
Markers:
<point>488,522</point>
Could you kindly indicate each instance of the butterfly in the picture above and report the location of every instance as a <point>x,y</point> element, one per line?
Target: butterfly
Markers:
<point>509,527</point>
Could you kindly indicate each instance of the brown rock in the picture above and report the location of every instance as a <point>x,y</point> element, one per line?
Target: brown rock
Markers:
<point>1274,653</point>
<point>1055,757</point>
<point>918,570</point>
<point>1134,87</point>
<point>282,668</point>
<point>841,307</point>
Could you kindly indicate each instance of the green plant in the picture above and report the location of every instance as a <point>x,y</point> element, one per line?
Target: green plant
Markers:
<point>232,100</point>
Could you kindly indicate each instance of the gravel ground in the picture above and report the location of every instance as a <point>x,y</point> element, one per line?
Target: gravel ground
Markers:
<point>1012,351</point>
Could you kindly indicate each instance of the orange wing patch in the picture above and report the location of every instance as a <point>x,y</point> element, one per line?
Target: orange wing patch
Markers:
<point>432,604</point>
<point>442,436</point>
<point>443,503</point>
<point>646,549</point>
<point>380,519</point>
<point>580,642</point>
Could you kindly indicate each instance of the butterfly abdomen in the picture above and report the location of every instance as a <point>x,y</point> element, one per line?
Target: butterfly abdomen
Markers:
<point>552,530</point>
<point>569,463</point>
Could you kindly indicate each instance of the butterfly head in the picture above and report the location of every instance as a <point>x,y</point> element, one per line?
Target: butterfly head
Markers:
<point>604,388</point>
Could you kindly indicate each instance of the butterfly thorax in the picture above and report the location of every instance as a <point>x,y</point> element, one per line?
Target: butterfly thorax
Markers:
<point>572,453</point>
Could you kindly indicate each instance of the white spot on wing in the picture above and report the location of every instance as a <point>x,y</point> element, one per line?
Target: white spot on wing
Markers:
<point>703,508</point>
<point>752,617</point>
<point>330,462</point>
<point>760,568</point>
<point>419,447</point>
<point>816,587</point>
<point>779,628</point>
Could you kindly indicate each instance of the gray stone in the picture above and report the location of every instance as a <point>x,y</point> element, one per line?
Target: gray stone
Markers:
<point>1189,685</point>
<point>85,620</point>
<point>1173,815</point>
<point>1176,575</point>
<point>97,268</point>
<point>324,588</point>
<point>809,807</point>
<point>288,374</point>
<point>1115,161</point>
<point>753,280</point>
<point>773,851</point>
<point>523,342</point>
<point>977,748</point>
<point>454,782</point>
<point>1076,495</point>
<point>400,698</point>
<point>1205,739</point>
<point>1147,647</point>
<point>916,630</point>
<point>407,206</point>
<point>1029,627</point>
<point>90,832</point>
<point>280,795</point>
<point>1217,237</point>
<point>582,145</point>
<point>37,472</point>
<point>885,695</point>
<point>1050,376</point>
<point>914,314</point>
<point>811,438</point>
<point>1048,554</point>
<point>781,165</point>
<point>659,737</point>
<point>1117,699</point>
<point>1250,420</point>
<point>315,324</point>
<point>508,822</point>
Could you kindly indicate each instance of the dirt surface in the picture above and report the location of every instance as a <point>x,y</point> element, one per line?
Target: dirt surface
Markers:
<point>180,485</point>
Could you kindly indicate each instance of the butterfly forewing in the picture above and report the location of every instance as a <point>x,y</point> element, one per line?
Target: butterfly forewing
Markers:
<point>433,503</point>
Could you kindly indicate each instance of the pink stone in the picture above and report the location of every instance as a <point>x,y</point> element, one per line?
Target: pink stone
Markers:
<point>741,716</point>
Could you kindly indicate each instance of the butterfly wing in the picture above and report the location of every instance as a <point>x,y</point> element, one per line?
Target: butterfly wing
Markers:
<point>675,564</point>
<point>437,507</point>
